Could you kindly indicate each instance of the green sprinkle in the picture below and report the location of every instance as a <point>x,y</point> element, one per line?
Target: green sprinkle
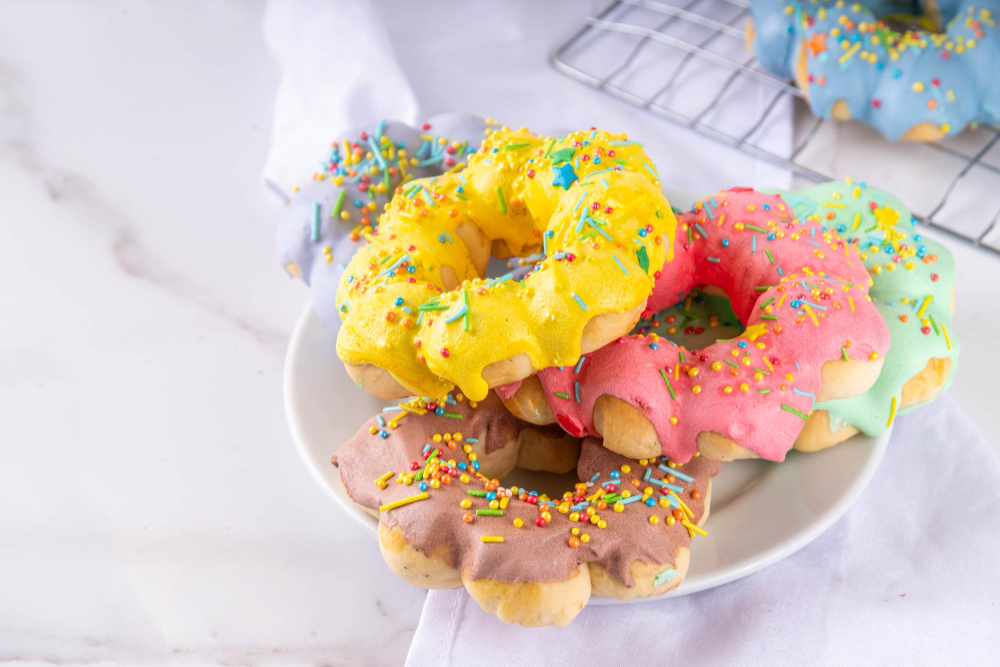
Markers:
<point>788,408</point>
<point>453,415</point>
<point>763,305</point>
<point>476,492</point>
<point>934,323</point>
<point>755,228</point>
<point>489,512</point>
<point>763,391</point>
<point>665,576</point>
<point>762,288</point>
<point>561,394</point>
<point>731,363</point>
<point>658,214</point>
<point>673,394</point>
<point>503,203</point>
<point>465,296</point>
<point>643,258</point>
<point>340,202</point>
<point>514,147</point>
<point>843,352</point>
<point>769,255</point>
<point>768,317</point>
<point>550,148</point>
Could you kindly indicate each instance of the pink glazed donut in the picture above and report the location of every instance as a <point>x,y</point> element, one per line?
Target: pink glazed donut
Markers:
<point>811,333</point>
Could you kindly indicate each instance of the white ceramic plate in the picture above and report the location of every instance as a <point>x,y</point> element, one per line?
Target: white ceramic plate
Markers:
<point>761,512</point>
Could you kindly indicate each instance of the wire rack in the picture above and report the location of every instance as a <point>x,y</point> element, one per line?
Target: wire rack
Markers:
<point>660,55</point>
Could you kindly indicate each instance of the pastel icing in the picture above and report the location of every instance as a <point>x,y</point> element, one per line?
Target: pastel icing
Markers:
<point>326,218</point>
<point>800,293</point>
<point>515,542</point>
<point>590,201</point>
<point>913,278</point>
<point>889,79</point>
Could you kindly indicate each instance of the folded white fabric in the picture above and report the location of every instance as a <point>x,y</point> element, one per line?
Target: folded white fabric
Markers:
<point>908,576</point>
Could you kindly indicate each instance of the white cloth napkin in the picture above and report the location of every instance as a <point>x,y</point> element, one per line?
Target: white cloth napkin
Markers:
<point>909,576</point>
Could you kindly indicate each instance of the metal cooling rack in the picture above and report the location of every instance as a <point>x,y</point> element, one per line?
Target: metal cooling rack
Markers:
<point>616,51</point>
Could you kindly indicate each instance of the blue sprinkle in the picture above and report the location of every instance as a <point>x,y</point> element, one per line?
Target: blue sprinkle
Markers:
<point>399,301</point>
<point>676,473</point>
<point>423,486</point>
<point>579,301</point>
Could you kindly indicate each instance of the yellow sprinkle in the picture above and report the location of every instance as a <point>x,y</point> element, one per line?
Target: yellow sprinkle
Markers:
<point>892,412</point>
<point>832,205</point>
<point>857,193</point>
<point>857,220</point>
<point>769,366</point>
<point>811,313</point>
<point>503,502</point>
<point>385,477</point>
<point>947,340</point>
<point>403,501</point>
<point>778,305</point>
<point>691,527</point>
<point>491,538</point>
<point>850,300</point>
<point>721,218</point>
<point>850,52</point>
<point>923,306</point>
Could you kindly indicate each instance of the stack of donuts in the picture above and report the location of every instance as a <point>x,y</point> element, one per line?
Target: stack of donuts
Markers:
<point>632,345</point>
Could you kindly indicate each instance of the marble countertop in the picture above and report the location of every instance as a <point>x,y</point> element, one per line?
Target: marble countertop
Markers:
<point>152,505</point>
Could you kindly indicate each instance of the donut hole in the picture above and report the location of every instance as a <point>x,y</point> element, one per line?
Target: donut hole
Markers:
<point>542,460</point>
<point>703,316</point>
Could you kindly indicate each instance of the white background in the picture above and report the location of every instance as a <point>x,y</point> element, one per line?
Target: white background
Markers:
<point>151,503</point>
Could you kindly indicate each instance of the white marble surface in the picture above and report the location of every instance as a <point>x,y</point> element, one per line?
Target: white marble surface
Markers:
<point>152,507</point>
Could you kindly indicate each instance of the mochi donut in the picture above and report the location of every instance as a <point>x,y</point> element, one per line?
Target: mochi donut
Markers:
<point>433,474</point>
<point>851,62</point>
<point>913,287</point>
<point>420,319</point>
<point>811,333</point>
<point>318,232</point>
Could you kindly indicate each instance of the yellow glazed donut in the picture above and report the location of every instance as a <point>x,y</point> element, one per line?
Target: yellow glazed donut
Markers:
<point>419,318</point>
<point>448,518</point>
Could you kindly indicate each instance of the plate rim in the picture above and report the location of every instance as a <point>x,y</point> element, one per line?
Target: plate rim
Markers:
<point>770,556</point>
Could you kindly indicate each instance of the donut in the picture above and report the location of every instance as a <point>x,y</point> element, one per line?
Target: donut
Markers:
<point>420,319</point>
<point>913,287</point>
<point>810,332</point>
<point>912,79</point>
<point>434,473</point>
<point>319,231</point>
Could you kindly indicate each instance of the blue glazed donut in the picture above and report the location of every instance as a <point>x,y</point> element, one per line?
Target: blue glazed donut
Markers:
<point>327,217</point>
<point>851,61</point>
